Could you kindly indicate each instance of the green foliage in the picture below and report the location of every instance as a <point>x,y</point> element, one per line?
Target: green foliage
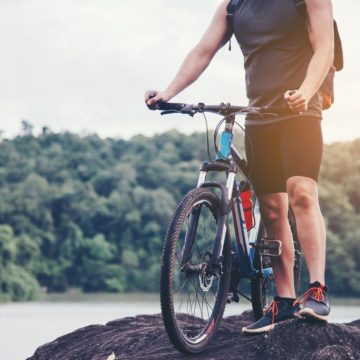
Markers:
<point>7,245</point>
<point>15,282</point>
<point>91,213</point>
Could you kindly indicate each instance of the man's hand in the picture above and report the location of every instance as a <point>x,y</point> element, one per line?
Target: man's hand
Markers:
<point>297,100</point>
<point>153,96</point>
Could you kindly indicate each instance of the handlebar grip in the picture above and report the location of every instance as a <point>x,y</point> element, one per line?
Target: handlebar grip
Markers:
<point>171,106</point>
<point>167,106</point>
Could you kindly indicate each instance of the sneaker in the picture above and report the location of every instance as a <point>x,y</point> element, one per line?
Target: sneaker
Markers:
<point>315,302</point>
<point>279,310</point>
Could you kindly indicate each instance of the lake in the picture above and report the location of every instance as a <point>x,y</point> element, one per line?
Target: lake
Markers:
<point>25,326</point>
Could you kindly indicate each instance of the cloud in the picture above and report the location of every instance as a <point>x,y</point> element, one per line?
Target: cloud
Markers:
<point>84,64</point>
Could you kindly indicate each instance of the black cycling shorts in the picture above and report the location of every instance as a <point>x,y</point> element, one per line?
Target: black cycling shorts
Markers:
<point>280,150</point>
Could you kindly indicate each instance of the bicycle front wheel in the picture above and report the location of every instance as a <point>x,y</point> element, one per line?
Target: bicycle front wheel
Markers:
<point>193,298</point>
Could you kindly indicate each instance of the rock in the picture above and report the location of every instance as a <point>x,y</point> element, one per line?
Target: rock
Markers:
<point>143,337</point>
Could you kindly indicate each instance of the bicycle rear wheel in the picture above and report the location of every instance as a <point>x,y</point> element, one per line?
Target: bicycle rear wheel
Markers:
<point>192,299</point>
<point>263,287</point>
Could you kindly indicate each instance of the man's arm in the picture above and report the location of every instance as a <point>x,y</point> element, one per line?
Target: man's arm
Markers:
<point>198,59</point>
<point>321,33</point>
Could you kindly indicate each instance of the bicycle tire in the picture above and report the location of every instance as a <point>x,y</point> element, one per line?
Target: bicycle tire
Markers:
<point>262,288</point>
<point>175,322</point>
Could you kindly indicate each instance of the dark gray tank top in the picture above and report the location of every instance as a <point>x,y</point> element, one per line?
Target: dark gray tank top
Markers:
<point>273,38</point>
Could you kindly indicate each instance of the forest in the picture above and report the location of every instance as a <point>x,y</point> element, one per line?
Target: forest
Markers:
<point>91,213</point>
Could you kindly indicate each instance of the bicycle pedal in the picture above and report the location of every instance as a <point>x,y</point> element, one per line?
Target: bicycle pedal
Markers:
<point>232,297</point>
<point>269,247</point>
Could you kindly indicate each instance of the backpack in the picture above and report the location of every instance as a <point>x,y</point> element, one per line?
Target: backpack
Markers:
<point>327,87</point>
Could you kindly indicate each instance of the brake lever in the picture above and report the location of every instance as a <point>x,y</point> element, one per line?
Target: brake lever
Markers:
<point>264,115</point>
<point>261,115</point>
<point>186,112</point>
<point>168,112</point>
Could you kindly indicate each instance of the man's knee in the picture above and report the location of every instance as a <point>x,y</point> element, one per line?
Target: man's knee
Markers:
<point>272,212</point>
<point>303,194</point>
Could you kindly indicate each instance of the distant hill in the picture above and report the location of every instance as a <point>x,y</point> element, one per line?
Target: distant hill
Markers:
<point>91,213</point>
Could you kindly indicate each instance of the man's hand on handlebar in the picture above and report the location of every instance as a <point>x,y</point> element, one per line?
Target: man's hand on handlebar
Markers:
<point>153,97</point>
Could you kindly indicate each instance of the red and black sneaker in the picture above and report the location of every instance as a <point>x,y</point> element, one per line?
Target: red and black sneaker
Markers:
<point>315,302</point>
<point>279,310</point>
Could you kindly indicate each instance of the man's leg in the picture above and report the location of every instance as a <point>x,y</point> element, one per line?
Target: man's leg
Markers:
<point>303,198</point>
<point>274,214</point>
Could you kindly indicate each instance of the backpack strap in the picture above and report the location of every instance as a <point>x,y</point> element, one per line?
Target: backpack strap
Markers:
<point>231,10</point>
<point>338,54</point>
<point>299,3</point>
<point>232,7</point>
<point>338,51</point>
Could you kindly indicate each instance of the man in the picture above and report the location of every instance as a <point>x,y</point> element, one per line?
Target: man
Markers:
<point>287,55</point>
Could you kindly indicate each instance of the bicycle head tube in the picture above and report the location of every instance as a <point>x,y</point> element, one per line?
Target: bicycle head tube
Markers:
<point>226,139</point>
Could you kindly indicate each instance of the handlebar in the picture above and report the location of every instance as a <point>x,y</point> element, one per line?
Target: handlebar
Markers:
<point>221,109</point>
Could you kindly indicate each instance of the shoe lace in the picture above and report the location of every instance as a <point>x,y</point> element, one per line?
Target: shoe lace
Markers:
<point>274,308</point>
<point>316,292</point>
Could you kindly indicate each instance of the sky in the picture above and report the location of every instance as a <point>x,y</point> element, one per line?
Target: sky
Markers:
<point>84,65</point>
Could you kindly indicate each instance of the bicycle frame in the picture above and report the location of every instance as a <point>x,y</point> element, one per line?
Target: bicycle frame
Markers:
<point>228,160</point>
<point>194,293</point>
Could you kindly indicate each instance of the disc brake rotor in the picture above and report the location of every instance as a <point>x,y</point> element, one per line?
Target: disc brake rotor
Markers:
<point>205,280</point>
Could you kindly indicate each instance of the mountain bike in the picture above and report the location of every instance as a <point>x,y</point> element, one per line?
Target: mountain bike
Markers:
<point>201,267</point>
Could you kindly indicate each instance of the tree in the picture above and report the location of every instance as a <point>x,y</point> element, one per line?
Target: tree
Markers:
<point>85,212</point>
<point>15,282</point>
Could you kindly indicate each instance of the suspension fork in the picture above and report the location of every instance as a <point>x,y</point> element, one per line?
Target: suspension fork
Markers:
<point>225,208</point>
<point>226,194</point>
<point>193,224</point>
<point>190,235</point>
